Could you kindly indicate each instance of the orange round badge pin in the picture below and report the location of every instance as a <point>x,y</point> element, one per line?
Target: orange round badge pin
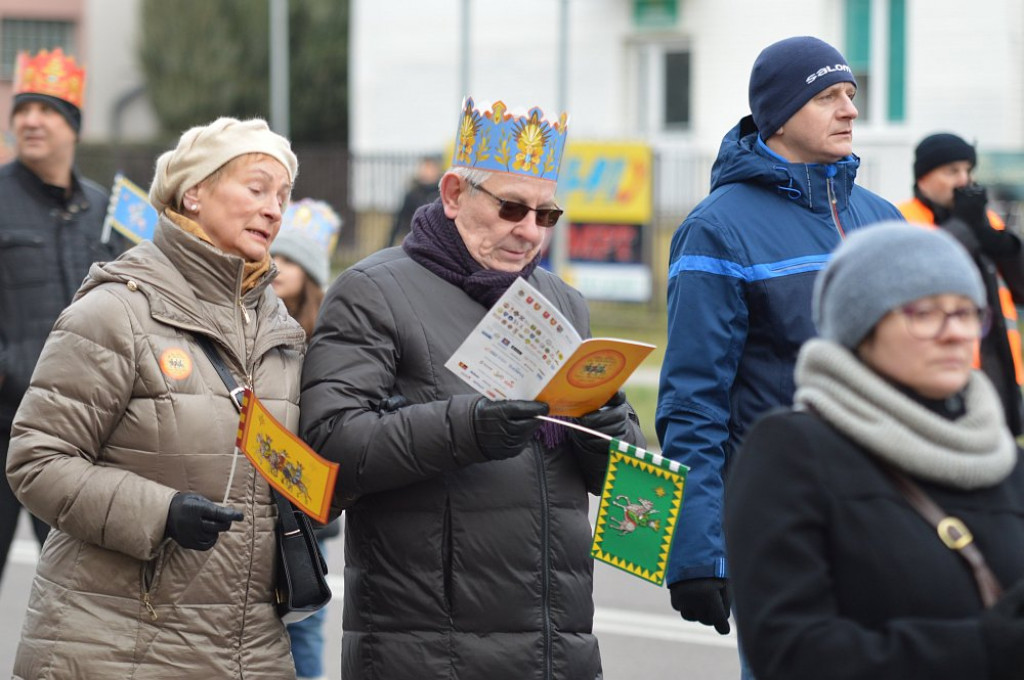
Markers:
<point>176,364</point>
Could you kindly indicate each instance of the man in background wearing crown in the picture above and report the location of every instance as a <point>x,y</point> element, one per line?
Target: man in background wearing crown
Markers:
<point>49,235</point>
<point>467,539</point>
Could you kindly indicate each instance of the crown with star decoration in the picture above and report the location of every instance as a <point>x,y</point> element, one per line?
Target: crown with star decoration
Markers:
<point>494,138</point>
<point>50,73</point>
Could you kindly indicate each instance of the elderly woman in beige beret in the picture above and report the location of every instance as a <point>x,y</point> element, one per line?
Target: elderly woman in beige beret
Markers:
<point>162,555</point>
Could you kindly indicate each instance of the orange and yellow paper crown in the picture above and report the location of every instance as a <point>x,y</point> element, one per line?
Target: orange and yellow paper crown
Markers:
<point>50,73</point>
<point>495,139</point>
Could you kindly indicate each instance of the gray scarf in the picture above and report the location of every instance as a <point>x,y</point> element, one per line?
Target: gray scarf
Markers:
<point>973,451</point>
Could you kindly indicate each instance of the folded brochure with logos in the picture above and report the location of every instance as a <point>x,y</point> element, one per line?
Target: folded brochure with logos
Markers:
<point>525,348</point>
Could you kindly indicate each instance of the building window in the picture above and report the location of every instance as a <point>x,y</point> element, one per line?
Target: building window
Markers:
<point>677,91</point>
<point>858,51</point>
<point>876,51</point>
<point>17,35</point>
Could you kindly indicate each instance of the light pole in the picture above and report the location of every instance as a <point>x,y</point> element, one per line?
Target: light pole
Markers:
<point>279,101</point>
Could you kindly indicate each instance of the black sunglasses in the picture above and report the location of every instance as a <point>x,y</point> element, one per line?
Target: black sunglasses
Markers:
<point>516,212</point>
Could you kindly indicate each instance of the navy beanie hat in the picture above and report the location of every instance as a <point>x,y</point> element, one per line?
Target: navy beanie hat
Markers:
<point>71,113</point>
<point>939,149</point>
<point>787,74</point>
<point>884,266</point>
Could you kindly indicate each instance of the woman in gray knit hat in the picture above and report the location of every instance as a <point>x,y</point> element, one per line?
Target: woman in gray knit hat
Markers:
<point>836,572</point>
<point>161,561</point>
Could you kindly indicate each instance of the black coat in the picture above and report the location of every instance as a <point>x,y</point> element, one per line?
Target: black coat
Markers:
<point>836,576</point>
<point>455,566</point>
<point>46,247</point>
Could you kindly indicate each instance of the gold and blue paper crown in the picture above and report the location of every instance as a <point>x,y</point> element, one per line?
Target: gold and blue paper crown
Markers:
<point>315,219</point>
<point>500,141</point>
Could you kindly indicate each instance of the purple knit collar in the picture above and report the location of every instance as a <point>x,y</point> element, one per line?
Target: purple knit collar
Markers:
<point>435,243</point>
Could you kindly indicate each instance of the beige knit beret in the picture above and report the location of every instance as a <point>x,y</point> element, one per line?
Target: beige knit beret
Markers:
<point>204,149</point>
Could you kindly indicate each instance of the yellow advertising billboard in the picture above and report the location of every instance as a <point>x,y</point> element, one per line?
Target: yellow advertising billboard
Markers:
<point>608,182</point>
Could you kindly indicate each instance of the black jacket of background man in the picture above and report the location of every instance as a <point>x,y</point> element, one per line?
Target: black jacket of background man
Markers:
<point>47,243</point>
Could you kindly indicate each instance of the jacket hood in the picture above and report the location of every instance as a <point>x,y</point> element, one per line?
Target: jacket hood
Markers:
<point>176,270</point>
<point>743,159</point>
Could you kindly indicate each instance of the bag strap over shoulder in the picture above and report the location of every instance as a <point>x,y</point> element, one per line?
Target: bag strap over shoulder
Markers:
<point>284,507</point>
<point>953,533</point>
<point>234,389</point>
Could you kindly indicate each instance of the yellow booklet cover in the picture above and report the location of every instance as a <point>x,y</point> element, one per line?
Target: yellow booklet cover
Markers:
<point>524,348</point>
<point>285,461</point>
<point>592,374</point>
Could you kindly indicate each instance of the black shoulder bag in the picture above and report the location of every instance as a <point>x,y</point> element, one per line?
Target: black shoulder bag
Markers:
<point>300,584</point>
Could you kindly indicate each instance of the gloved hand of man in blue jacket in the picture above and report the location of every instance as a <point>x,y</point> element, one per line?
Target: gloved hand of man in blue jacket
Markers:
<point>611,419</point>
<point>705,600</point>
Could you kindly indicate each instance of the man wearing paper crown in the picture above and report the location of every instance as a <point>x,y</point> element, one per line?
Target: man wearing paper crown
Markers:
<point>466,534</point>
<point>50,229</point>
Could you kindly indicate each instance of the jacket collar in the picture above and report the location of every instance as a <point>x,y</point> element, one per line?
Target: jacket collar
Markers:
<point>744,158</point>
<point>53,194</point>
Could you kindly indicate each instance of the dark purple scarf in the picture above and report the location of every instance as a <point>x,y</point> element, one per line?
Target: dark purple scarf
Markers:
<point>435,243</point>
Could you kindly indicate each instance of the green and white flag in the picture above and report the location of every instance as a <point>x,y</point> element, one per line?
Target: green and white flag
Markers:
<point>640,503</point>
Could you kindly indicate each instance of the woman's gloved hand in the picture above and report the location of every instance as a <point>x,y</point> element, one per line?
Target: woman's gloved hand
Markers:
<point>503,428</point>
<point>196,523</point>
<point>1002,629</point>
<point>611,419</point>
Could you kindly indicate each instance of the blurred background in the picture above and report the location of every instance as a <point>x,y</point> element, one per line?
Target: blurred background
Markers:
<point>368,89</point>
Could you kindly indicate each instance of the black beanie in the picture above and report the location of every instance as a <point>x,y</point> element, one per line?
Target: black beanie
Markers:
<point>939,149</point>
<point>787,74</point>
<point>72,114</point>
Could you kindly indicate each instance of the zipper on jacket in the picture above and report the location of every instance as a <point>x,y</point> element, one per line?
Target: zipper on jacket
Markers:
<point>245,312</point>
<point>545,552</point>
<point>149,607</point>
<point>833,203</point>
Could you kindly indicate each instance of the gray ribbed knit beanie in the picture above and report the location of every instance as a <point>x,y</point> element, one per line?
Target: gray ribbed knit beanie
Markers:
<point>787,74</point>
<point>881,267</point>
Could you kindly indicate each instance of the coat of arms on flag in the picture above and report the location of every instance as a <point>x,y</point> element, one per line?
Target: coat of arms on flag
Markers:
<point>640,503</point>
<point>285,461</point>
<point>129,211</point>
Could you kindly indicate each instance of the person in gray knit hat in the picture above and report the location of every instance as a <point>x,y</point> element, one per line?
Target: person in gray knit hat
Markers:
<point>831,558</point>
<point>125,440</point>
<point>879,269</point>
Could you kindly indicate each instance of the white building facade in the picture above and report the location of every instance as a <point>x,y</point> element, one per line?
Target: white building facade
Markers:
<point>674,73</point>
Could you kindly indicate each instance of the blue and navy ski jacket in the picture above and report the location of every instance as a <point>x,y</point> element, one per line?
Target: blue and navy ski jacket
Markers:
<point>741,272</point>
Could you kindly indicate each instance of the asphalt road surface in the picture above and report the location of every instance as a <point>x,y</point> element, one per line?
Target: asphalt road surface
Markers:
<point>640,635</point>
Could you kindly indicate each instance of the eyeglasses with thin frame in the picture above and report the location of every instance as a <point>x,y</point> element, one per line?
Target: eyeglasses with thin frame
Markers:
<point>512,211</point>
<point>928,322</point>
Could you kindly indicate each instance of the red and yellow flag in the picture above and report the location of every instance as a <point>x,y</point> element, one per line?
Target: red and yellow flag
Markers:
<point>285,461</point>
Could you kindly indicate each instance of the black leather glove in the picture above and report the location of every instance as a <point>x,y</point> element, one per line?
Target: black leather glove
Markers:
<point>1002,629</point>
<point>196,523</point>
<point>503,428</point>
<point>705,600</point>
<point>969,206</point>
<point>611,419</point>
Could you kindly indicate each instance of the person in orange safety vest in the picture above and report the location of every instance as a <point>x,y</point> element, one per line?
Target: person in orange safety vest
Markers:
<point>946,196</point>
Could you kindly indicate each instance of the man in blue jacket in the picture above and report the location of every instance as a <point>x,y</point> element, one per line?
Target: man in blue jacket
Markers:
<point>739,291</point>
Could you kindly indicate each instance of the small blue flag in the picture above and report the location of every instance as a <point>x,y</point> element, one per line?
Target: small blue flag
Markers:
<point>129,211</point>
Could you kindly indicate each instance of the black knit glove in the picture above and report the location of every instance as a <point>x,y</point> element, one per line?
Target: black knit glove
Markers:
<point>611,419</point>
<point>196,523</point>
<point>969,205</point>
<point>705,600</point>
<point>1002,629</point>
<point>503,428</point>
